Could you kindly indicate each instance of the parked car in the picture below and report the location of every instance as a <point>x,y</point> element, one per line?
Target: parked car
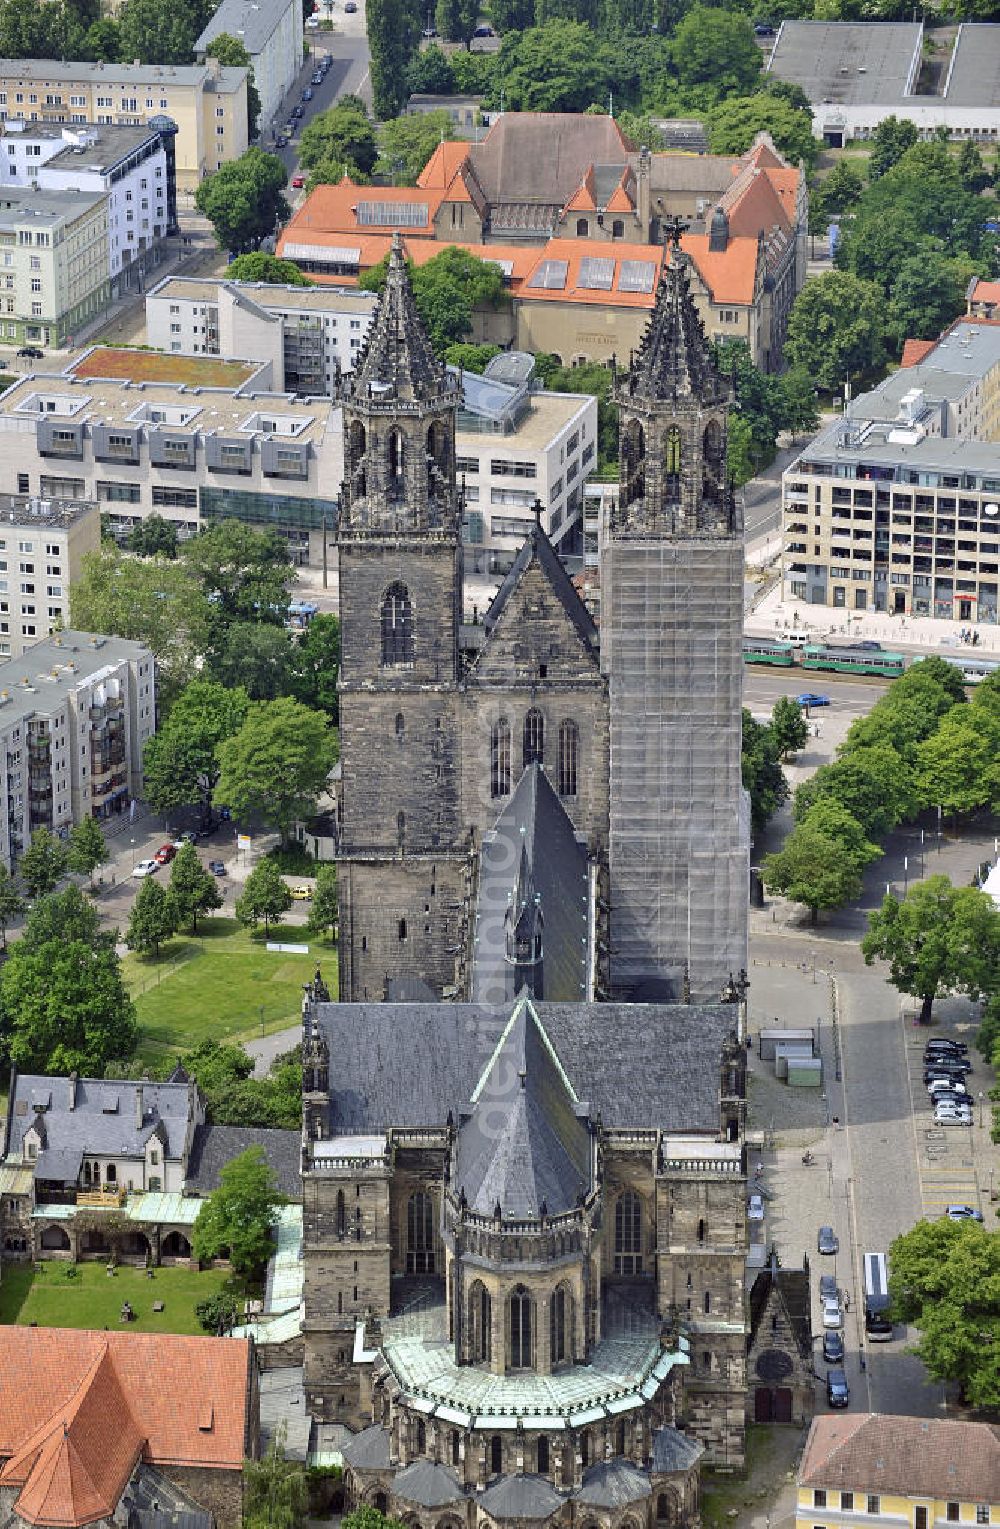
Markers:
<point>951,1096</point>
<point>301,894</point>
<point>945,1043</point>
<point>763,29</point>
<point>833,1348</point>
<point>31,353</point>
<point>838,1393</point>
<point>481,31</point>
<point>317,78</point>
<point>963,1213</point>
<point>312,23</point>
<point>826,1241</point>
<point>325,63</point>
<point>298,111</point>
<point>951,1116</point>
<point>307,94</point>
<point>165,854</point>
<point>831,1314</point>
<point>291,128</point>
<point>946,1086</point>
<point>828,1287</point>
<point>810,698</point>
<point>146,868</point>
<point>217,868</point>
<point>351,8</point>
<point>755,1208</point>
<point>946,1070</point>
<point>298,181</point>
<point>944,1053</point>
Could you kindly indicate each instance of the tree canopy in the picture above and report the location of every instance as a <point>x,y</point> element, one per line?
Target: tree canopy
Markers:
<point>244,573</point>
<point>244,200</point>
<point>265,898</point>
<point>44,862</point>
<point>446,290</point>
<point>555,67</point>
<point>153,918</point>
<point>345,134</point>
<point>735,122</point>
<point>193,890</point>
<point>233,1096</point>
<point>944,1278</point>
<point>836,329</point>
<point>938,938</point>
<point>180,761</point>
<point>236,1219</point>
<point>153,537</point>
<point>258,266</point>
<point>716,47</point>
<point>406,144</point>
<point>277,765</point>
<point>812,868</point>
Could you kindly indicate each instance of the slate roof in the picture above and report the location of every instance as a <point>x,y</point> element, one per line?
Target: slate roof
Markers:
<point>154,1502</point>
<point>59,1166</point>
<point>368,1450</point>
<point>543,156</point>
<point>409,1064</point>
<point>427,1484</point>
<point>903,1456</point>
<point>90,1127</point>
<point>673,1451</point>
<point>214,1146</point>
<point>791,1287</point>
<point>524,1144</point>
<point>527,1497</point>
<point>613,1484</point>
<point>536,548</point>
<point>533,834</point>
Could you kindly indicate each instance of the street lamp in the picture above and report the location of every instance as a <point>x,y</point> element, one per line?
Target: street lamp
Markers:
<point>906,874</point>
<point>132,843</point>
<point>982,1096</point>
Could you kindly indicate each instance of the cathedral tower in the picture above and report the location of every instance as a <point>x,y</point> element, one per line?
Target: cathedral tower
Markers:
<point>399,558</point>
<point>671,644</point>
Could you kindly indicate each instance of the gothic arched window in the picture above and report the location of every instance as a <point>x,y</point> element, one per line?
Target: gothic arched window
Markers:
<point>496,1455</point>
<point>534,738</point>
<point>569,750</point>
<point>341,1214</point>
<point>420,1234</point>
<point>558,1321</point>
<point>421,1436</point>
<point>481,1313</point>
<point>633,451</point>
<point>712,443</point>
<point>500,758</point>
<point>628,1233</point>
<point>400,727</point>
<point>397,460</point>
<point>543,1456</point>
<point>520,1328</point>
<point>672,461</point>
<point>582,228</point>
<point>357,441</point>
<point>397,626</point>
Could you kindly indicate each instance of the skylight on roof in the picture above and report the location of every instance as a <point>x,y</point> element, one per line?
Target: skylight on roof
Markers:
<point>636,276</point>
<point>392,214</point>
<point>596,273</point>
<point>551,274</point>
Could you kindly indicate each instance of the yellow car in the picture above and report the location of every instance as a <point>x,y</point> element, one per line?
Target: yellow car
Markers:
<point>302,894</point>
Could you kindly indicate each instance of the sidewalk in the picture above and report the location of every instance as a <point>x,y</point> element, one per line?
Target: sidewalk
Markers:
<point>776,614</point>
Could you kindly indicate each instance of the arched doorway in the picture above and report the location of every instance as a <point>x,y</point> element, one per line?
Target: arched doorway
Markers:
<point>175,1245</point>
<point>55,1239</point>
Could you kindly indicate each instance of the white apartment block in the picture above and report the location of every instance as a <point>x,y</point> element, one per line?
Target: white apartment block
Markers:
<point>896,507</point>
<point>53,263</point>
<point>207,102</point>
<point>192,453</point>
<point>308,334</point>
<point>75,713</point>
<point>272,34</point>
<point>44,543</point>
<point>516,446</point>
<point>129,165</point>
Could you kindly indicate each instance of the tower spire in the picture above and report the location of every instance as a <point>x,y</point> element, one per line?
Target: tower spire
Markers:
<point>396,363</point>
<point>674,358</point>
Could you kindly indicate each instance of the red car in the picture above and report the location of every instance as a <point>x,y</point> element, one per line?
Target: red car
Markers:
<point>298,181</point>
<point>165,854</point>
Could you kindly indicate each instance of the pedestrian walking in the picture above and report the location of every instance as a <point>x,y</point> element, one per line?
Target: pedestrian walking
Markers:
<point>847,1300</point>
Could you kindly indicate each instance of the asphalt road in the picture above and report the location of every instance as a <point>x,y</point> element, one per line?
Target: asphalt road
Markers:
<point>762,687</point>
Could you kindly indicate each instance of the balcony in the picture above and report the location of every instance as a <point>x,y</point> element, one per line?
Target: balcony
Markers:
<point>108,1198</point>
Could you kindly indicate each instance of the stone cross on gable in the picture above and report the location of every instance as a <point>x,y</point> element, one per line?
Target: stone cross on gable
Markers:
<point>673,229</point>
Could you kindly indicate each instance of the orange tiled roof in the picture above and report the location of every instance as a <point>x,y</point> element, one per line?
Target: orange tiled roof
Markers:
<point>915,350</point>
<point>754,206</point>
<point>731,274</point>
<point>904,1456</point>
<point>333,210</point>
<point>984,291</point>
<point>78,1409</point>
<point>765,156</point>
<point>444,164</point>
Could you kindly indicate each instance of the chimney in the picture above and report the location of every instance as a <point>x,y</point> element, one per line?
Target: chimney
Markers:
<point>138,1107</point>
<point>72,1090</point>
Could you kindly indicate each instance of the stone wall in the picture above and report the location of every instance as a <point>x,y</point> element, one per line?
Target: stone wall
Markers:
<point>218,1491</point>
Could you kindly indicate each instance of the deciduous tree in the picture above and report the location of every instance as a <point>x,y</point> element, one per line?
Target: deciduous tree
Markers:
<point>152,920</point>
<point>12,904</point>
<point>193,890</point>
<point>938,938</point>
<point>44,862</point>
<point>265,897</point>
<point>836,329</point>
<point>65,1007</point>
<point>236,1219</point>
<point>256,657</point>
<point>344,133</point>
<point>813,869</point>
<point>87,848</point>
<point>277,765</point>
<point>62,917</point>
<point>556,67</point>
<point>393,36</point>
<point>874,784</point>
<point>180,761</point>
<point>259,266</point>
<point>315,665</point>
<point>893,136</point>
<point>153,537</point>
<point>323,910</point>
<point>243,201</point>
<point>716,47</point>
<point>245,574</point>
<point>944,1278</point>
<point>735,122</point>
<point>789,726</point>
<point>957,766</point>
<point>276,1494</point>
<point>405,144</point>
<point>828,817</point>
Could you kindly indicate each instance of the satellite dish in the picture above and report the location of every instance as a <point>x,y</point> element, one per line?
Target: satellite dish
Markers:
<point>991,509</point>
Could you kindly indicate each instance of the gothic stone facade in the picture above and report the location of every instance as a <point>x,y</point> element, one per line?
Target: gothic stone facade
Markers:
<point>639,733</point>
<point>513,1264</point>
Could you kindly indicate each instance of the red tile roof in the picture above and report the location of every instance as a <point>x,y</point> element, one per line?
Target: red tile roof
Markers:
<point>984,291</point>
<point>78,1410</point>
<point>333,210</point>
<point>904,1456</point>
<point>915,350</point>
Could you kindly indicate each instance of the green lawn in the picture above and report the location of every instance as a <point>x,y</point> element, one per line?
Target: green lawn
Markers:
<point>93,1299</point>
<point>221,985</point>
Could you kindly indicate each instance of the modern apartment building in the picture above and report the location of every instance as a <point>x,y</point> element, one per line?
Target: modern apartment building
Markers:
<point>75,713</point>
<point>515,447</point>
<point>53,263</point>
<point>206,101</point>
<point>907,1472</point>
<point>44,541</point>
<point>896,507</point>
<point>193,438</point>
<point>134,167</point>
<point>308,334</point>
<point>272,35</point>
